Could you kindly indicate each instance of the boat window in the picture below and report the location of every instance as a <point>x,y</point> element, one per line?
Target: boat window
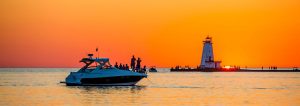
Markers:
<point>106,65</point>
<point>91,67</point>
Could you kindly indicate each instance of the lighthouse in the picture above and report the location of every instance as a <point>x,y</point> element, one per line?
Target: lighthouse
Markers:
<point>207,60</point>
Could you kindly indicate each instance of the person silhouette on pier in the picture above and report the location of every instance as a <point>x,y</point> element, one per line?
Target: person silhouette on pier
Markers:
<point>116,65</point>
<point>138,63</point>
<point>132,64</point>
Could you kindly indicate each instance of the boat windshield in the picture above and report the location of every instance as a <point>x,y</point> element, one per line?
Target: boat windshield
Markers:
<point>105,65</point>
<point>94,63</point>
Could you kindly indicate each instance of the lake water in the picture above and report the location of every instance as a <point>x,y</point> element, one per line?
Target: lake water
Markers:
<point>40,86</point>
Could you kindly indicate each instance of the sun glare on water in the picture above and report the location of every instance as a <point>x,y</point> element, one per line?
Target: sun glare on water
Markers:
<point>227,67</point>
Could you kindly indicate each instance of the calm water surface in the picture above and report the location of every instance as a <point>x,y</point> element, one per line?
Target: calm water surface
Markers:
<point>40,86</point>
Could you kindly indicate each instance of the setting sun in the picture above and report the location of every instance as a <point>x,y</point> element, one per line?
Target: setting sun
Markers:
<point>227,67</point>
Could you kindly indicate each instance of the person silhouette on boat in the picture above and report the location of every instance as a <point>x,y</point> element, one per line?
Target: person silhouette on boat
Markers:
<point>121,66</point>
<point>144,69</point>
<point>138,63</point>
<point>126,67</point>
<point>132,64</point>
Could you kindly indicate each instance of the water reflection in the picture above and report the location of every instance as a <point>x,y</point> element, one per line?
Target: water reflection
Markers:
<point>108,89</point>
<point>43,88</point>
<point>97,95</point>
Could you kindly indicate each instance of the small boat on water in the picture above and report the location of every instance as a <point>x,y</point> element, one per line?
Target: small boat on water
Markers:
<point>152,69</point>
<point>102,74</point>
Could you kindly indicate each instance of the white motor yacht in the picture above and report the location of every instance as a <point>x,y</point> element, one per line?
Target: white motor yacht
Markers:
<point>99,72</point>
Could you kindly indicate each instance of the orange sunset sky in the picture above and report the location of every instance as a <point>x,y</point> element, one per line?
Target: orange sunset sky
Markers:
<point>164,33</point>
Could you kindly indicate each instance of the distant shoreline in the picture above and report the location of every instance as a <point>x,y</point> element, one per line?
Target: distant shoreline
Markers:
<point>40,67</point>
<point>237,70</point>
<point>251,68</point>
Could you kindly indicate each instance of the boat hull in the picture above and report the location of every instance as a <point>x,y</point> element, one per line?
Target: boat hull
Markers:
<point>100,84</point>
<point>104,78</point>
<point>120,80</point>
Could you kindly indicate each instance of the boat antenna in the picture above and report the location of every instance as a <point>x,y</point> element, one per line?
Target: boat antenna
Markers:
<point>97,52</point>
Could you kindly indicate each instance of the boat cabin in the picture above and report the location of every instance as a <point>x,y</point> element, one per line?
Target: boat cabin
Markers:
<point>94,63</point>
